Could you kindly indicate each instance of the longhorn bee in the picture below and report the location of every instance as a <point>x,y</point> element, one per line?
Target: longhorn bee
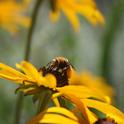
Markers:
<point>60,68</point>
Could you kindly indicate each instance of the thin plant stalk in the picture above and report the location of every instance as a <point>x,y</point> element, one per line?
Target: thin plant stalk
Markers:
<point>19,103</point>
<point>43,100</point>
<point>108,42</point>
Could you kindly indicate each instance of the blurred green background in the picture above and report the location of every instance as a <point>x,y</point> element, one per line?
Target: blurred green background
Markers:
<point>97,49</point>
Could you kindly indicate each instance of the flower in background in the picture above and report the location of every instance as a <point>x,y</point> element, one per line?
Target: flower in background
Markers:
<point>96,84</point>
<point>71,8</point>
<point>12,14</point>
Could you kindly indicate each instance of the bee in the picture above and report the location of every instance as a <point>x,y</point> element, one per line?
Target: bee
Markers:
<point>61,68</point>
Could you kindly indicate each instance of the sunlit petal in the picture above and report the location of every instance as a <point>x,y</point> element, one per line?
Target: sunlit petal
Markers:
<point>107,109</point>
<point>81,92</point>
<point>55,115</point>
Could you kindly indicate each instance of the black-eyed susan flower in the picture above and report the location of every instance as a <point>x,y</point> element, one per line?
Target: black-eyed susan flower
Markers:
<point>71,8</point>
<point>12,15</point>
<point>32,80</point>
<point>54,76</point>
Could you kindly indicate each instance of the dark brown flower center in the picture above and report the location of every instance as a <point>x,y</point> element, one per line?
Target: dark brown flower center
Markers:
<point>60,68</point>
<point>105,121</point>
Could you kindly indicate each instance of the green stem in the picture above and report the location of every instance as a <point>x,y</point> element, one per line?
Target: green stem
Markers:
<point>31,30</point>
<point>109,36</point>
<point>44,99</point>
<point>19,102</point>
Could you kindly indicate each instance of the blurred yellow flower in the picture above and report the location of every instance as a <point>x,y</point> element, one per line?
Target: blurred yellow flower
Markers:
<point>71,8</point>
<point>96,84</point>
<point>12,14</point>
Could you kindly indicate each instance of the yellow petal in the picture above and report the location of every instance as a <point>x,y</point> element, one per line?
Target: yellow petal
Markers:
<point>9,73</point>
<point>91,116</point>
<point>71,8</point>
<point>63,111</point>
<point>107,109</point>
<point>96,84</point>
<point>81,92</point>
<point>91,13</point>
<point>54,16</point>
<point>55,95</point>
<point>12,15</point>
<point>55,115</point>
<point>56,102</point>
<point>31,75</point>
<point>80,105</point>
<point>71,15</point>
<point>29,70</point>
<point>15,79</point>
<point>49,81</point>
<point>57,119</point>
